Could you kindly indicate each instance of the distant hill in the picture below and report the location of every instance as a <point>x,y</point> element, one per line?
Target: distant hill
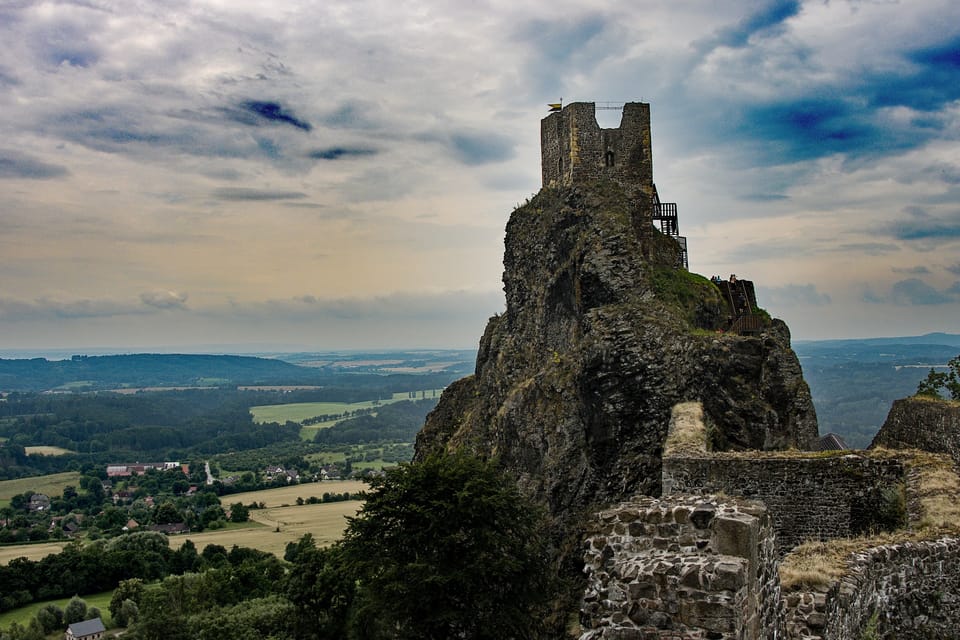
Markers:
<point>92,373</point>
<point>854,382</point>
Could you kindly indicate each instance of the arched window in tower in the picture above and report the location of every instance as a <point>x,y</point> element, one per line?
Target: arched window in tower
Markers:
<point>608,158</point>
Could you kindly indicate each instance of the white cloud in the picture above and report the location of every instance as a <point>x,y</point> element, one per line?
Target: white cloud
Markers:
<point>367,149</point>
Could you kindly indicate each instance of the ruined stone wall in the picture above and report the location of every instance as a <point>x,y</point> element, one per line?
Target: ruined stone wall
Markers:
<point>809,498</point>
<point>907,591</point>
<point>575,150</point>
<point>682,568</point>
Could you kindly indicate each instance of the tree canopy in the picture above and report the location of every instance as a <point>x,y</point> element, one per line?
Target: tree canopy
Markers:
<point>446,548</point>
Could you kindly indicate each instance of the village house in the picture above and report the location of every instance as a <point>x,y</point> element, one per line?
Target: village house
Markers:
<point>86,630</point>
<point>39,502</point>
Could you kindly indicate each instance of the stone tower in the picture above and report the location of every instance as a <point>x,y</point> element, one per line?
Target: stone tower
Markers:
<point>575,149</point>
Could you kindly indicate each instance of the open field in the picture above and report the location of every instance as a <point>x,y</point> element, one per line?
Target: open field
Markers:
<point>24,614</point>
<point>37,551</point>
<point>288,495</point>
<point>300,411</point>
<point>325,521</point>
<point>52,485</point>
<point>45,450</point>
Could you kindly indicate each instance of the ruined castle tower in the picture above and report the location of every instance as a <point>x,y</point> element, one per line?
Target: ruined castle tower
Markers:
<point>574,149</point>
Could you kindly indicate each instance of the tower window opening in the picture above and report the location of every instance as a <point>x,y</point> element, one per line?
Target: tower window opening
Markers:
<point>608,158</point>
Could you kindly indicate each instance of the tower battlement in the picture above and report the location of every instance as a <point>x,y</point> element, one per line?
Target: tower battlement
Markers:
<point>574,148</point>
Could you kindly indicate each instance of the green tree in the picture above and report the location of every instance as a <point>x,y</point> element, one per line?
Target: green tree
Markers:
<point>50,617</point>
<point>239,512</point>
<point>126,614</point>
<point>75,611</point>
<point>948,381</point>
<point>131,590</point>
<point>321,587</point>
<point>167,513</point>
<point>447,548</point>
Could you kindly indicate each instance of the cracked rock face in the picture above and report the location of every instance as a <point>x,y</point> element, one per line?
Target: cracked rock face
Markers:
<point>575,382</point>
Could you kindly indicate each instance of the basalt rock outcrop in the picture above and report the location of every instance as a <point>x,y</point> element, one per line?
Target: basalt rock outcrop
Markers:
<point>601,337</point>
<point>929,424</point>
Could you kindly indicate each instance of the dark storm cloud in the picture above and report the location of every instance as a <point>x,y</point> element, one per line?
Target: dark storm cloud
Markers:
<point>794,294</point>
<point>164,299</point>
<point>849,116</point>
<point>61,41</point>
<point>916,292</point>
<point>7,78</point>
<point>933,83</point>
<point>764,197</point>
<point>354,114</point>
<point>766,19</point>
<point>914,271</point>
<point>481,148</point>
<point>48,308</point>
<point>272,112</point>
<point>558,40</point>
<point>14,164</point>
<point>337,153</point>
<point>811,128</point>
<point>927,227</point>
<point>868,248</point>
<point>564,47</point>
<point>256,195</point>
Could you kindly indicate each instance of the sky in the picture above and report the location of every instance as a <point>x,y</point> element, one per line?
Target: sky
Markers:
<point>237,175</point>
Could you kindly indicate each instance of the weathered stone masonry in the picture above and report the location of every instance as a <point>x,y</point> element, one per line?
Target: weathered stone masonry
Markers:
<point>682,568</point>
<point>574,149</point>
<point>910,591</point>
<point>809,498</point>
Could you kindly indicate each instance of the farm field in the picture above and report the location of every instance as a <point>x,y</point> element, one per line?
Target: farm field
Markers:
<point>45,450</point>
<point>24,614</point>
<point>37,551</point>
<point>52,485</point>
<point>300,411</point>
<point>288,495</point>
<point>325,521</point>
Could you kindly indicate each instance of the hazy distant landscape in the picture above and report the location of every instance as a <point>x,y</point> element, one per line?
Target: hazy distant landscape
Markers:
<point>853,381</point>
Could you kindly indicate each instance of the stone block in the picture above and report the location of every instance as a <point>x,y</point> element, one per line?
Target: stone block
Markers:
<point>736,535</point>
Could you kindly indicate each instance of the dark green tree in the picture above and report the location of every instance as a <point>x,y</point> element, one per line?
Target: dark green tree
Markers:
<point>948,381</point>
<point>75,611</point>
<point>447,548</point>
<point>239,512</point>
<point>321,587</point>
<point>50,617</point>
<point>132,590</point>
<point>167,513</point>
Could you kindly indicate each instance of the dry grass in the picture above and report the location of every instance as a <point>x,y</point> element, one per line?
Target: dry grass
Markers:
<point>687,432</point>
<point>30,551</point>
<point>45,450</point>
<point>286,496</point>
<point>325,522</point>
<point>52,485</point>
<point>932,479</point>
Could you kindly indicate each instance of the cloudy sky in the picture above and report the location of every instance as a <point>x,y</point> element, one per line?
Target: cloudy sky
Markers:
<point>326,174</point>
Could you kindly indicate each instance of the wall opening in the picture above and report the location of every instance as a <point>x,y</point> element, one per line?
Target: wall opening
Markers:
<point>609,118</point>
